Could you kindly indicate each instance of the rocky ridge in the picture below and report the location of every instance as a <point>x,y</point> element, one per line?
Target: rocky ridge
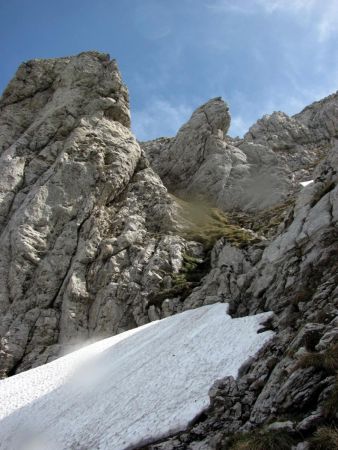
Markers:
<point>295,275</point>
<point>256,172</point>
<point>86,222</point>
<point>93,244</point>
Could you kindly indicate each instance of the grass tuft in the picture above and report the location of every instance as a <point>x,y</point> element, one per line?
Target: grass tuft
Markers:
<point>192,271</point>
<point>205,224</point>
<point>265,222</point>
<point>327,360</point>
<point>262,440</point>
<point>325,438</point>
<point>302,295</point>
<point>330,405</point>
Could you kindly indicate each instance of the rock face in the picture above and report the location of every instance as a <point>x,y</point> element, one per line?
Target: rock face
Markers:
<point>299,141</point>
<point>249,174</point>
<point>198,144</point>
<point>295,275</point>
<point>200,162</point>
<point>84,220</point>
<point>92,243</point>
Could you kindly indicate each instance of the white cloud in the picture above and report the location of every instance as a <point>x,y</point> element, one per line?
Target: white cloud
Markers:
<point>305,70</point>
<point>319,14</point>
<point>227,6</point>
<point>293,6</point>
<point>239,126</point>
<point>159,117</point>
<point>322,14</point>
<point>328,22</point>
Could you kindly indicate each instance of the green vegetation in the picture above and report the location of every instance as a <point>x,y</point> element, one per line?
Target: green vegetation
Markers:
<point>264,222</point>
<point>327,360</point>
<point>302,295</point>
<point>193,269</point>
<point>205,224</point>
<point>182,290</point>
<point>325,438</point>
<point>330,405</point>
<point>262,440</point>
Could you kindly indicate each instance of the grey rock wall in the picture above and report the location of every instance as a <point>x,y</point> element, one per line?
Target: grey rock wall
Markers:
<point>92,243</point>
<point>254,173</point>
<point>294,275</point>
<point>85,222</point>
<point>201,162</point>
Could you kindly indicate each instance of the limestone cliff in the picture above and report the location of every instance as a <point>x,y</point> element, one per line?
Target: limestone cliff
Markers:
<point>85,221</point>
<point>99,234</point>
<point>249,174</point>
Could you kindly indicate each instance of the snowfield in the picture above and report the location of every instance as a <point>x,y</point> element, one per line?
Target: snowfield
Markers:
<point>306,183</point>
<point>131,389</point>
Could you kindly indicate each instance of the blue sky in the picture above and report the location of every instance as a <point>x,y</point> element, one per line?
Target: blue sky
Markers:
<point>259,55</point>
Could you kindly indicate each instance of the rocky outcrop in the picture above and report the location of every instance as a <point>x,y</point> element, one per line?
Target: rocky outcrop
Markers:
<point>86,223</point>
<point>257,172</point>
<point>302,140</point>
<point>184,163</point>
<point>295,276</point>
<point>314,124</point>
<point>201,162</point>
<point>92,244</point>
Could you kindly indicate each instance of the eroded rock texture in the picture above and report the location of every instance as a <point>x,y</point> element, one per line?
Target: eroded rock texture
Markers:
<point>92,240</point>
<point>289,385</point>
<point>85,221</point>
<point>249,174</point>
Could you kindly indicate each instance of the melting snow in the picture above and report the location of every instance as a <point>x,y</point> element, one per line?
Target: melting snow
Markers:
<point>305,183</point>
<point>130,389</point>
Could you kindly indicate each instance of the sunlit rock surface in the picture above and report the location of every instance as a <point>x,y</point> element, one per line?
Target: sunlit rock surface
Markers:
<point>92,240</point>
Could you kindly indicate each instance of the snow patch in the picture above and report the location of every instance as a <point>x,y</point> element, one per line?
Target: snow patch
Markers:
<point>130,389</point>
<point>306,183</point>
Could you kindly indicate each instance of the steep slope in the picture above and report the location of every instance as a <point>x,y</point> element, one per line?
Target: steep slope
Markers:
<point>85,222</point>
<point>201,162</point>
<point>92,244</point>
<point>257,172</point>
<point>293,385</point>
<point>122,392</point>
<point>301,140</point>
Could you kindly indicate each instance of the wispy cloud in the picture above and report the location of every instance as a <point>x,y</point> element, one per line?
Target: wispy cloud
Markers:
<point>322,14</point>
<point>281,67</point>
<point>293,6</point>
<point>159,117</point>
<point>228,6</point>
<point>327,25</point>
<point>152,19</point>
<point>239,126</point>
<point>319,14</point>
